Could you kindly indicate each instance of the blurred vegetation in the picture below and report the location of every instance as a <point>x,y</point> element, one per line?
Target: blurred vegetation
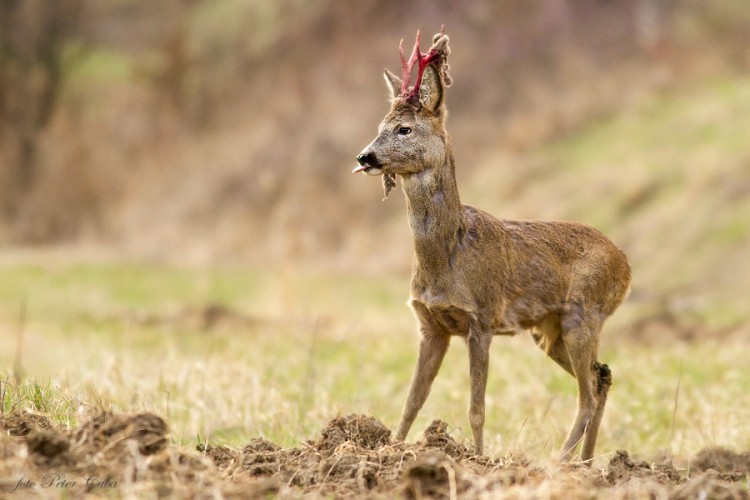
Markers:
<point>223,131</point>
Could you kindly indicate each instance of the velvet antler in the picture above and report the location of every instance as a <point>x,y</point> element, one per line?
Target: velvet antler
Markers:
<point>422,60</point>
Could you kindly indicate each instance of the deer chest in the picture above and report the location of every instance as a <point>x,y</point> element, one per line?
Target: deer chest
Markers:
<point>451,319</point>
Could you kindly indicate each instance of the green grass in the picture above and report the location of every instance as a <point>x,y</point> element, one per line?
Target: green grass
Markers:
<point>320,344</point>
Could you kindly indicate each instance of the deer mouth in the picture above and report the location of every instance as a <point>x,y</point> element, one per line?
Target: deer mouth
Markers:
<point>368,169</point>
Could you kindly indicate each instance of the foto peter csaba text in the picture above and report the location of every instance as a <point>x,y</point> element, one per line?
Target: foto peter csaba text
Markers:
<point>57,480</point>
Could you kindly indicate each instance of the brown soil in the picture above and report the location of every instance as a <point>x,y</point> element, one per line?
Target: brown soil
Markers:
<point>353,456</point>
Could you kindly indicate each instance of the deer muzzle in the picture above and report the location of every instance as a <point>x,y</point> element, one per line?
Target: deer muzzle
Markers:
<point>369,164</point>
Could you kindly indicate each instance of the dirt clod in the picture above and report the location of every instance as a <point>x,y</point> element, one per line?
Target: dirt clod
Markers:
<point>147,429</point>
<point>710,485</point>
<point>22,423</point>
<point>261,458</point>
<point>436,437</point>
<point>49,448</point>
<point>622,467</point>
<point>431,476</point>
<point>260,445</point>
<point>722,460</point>
<point>222,456</point>
<point>47,443</point>
<point>363,431</point>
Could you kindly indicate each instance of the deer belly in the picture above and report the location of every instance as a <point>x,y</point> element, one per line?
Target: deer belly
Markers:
<point>505,324</point>
<point>456,321</point>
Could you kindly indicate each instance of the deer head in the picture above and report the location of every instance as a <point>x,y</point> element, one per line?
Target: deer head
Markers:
<point>412,137</point>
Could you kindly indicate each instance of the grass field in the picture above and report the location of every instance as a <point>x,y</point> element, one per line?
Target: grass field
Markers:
<point>229,355</point>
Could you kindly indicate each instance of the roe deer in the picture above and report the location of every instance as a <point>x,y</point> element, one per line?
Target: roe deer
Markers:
<point>476,276</point>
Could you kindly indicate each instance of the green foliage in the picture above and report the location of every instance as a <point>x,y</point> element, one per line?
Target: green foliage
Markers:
<point>38,395</point>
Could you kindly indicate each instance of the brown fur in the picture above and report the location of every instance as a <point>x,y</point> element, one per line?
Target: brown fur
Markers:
<point>476,276</point>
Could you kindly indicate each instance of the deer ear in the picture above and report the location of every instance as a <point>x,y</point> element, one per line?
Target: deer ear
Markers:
<point>431,89</point>
<point>393,83</point>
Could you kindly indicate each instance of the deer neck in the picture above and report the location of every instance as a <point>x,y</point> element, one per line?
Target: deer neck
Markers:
<point>434,212</point>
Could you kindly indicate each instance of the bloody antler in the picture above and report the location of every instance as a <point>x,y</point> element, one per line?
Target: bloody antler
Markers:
<point>416,57</point>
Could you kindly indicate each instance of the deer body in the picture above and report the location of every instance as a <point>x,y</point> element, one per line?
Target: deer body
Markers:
<point>475,276</point>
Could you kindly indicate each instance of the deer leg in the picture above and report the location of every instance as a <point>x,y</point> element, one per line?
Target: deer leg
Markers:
<point>549,339</point>
<point>479,358</point>
<point>603,377</point>
<point>581,343</point>
<point>432,349</point>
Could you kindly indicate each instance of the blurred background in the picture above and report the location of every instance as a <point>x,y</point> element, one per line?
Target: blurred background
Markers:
<point>222,132</point>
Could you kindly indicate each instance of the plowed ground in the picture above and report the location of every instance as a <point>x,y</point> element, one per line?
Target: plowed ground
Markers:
<point>354,456</point>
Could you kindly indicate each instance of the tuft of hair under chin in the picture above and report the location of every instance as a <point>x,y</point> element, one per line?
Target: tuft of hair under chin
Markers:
<point>389,182</point>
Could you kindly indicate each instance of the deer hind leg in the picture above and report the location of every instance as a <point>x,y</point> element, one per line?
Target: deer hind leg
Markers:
<point>549,339</point>
<point>603,382</point>
<point>581,340</point>
<point>432,349</point>
<point>603,377</point>
<point>548,336</point>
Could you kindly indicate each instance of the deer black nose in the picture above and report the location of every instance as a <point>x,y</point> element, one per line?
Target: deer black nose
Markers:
<point>367,159</point>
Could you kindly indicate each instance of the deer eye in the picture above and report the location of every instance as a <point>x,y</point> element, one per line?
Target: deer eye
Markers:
<point>404,131</point>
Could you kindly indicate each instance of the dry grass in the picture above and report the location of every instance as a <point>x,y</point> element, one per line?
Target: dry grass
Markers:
<point>227,356</point>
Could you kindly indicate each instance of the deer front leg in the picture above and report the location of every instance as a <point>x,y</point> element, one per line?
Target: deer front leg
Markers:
<point>432,349</point>
<point>479,360</point>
